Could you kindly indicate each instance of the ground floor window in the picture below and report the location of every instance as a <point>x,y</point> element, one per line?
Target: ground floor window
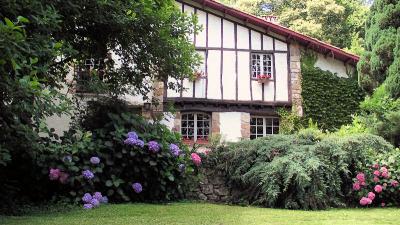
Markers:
<point>261,126</point>
<point>195,126</point>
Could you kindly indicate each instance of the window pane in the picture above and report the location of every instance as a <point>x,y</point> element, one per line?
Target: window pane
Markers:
<point>268,121</point>
<point>260,121</point>
<point>206,124</point>
<point>268,130</point>
<point>253,121</point>
<point>184,123</point>
<point>252,130</point>
<point>253,137</point>
<point>259,130</point>
<point>276,130</point>
<point>190,116</point>
<point>199,123</point>
<point>276,122</point>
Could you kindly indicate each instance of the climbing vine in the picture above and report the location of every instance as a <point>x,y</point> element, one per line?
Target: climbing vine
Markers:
<point>328,99</point>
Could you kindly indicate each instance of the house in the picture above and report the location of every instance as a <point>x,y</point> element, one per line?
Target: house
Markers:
<point>250,68</point>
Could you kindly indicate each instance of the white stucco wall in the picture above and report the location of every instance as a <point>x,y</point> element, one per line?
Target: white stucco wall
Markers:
<point>230,126</point>
<point>333,65</point>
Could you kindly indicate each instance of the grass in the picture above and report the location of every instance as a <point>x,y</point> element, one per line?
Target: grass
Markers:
<point>202,213</point>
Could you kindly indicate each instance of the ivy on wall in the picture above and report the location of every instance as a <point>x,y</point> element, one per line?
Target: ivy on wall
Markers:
<point>328,99</point>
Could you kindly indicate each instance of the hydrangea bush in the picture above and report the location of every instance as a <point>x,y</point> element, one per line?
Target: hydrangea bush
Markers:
<point>378,183</point>
<point>127,158</point>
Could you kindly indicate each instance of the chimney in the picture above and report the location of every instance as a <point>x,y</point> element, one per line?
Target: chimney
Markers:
<point>271,18</point>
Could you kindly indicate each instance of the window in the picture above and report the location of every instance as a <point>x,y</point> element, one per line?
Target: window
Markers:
<point>195,126</point>
<point>262,126</point>
<point>261,64</point>
<point>88,73</point>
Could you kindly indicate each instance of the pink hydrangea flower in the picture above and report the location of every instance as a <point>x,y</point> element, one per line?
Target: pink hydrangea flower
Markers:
<point>365,201</point>
<point>394,183</point>
<point>54,174</point>
<point>384,169</point>
<point>371,195</point>
<point>363,183</point>
<point>377,173</point>
<point>196,159</point>
<point>376,179</point>
<point>360,177</point>
<point>63,177</point>
<point>378,188</point>
<point>385,174</point>
<point>383,204</point>
<point>356,186</point>
<point>375,166</point>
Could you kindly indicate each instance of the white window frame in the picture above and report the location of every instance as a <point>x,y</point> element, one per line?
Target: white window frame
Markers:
<point>262,66</point>
<point>195,120</point>
<point>264,126</point>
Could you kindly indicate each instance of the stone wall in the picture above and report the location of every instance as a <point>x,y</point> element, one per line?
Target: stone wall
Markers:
<point>295,78</point>
<point>212,187</point>
<point>215,124</point>
<point>245,125</point>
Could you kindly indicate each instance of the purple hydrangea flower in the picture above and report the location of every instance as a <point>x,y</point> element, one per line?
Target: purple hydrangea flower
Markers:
<point>154,146</point>
<point>88,174</point>
<point>95,202</point>
<point>97,195</point>
<point>94,160</point>
<point>87,198</point>
<point>137,187</point>
<point>182,167</point>
<point>134,142</point>
<point>133,135</point>
<point>174,149</point>
<point>104,200</point>
<point>87,206</point>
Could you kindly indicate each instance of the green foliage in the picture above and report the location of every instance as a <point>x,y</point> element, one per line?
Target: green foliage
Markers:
<point>333,108</point>
<point>120,165</point>
<point>302,171</point>
<point>289,121</point>
<point>380,63</point>
<point>40,41</point>
<point>381,115</point>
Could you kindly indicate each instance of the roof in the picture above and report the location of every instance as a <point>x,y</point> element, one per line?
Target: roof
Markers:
<point>302,39</point>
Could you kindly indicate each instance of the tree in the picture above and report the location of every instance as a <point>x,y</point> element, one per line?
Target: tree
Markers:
<point>379,70</point>
<point>39,42</point>
<point>338,22</point>
<point>381,61</point>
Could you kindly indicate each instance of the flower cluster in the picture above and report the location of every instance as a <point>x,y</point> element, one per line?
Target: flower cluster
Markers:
<point>57,174</point>
<point>92,201</point>
<point>153,146</point>
<point>133,140</point>
<point>174,149</point>
<point>95,160</point>
<point>196,159</point>
<point>378,181</point>
<point>137,187</point>
<point>87,174</point>
<point>264,76</point>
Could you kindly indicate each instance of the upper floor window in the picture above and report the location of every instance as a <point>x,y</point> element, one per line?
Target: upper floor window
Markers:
<point>195,126</point>
<point>261,64</point>
<point>263,126</point>
<point>88,73</point>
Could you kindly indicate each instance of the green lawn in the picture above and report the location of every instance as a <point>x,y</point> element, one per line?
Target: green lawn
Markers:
<point>202,213</point>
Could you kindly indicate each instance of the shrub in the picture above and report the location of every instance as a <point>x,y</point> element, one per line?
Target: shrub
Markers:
<point>125,158</point>
<point>301,171</point>
<point>378,181</point>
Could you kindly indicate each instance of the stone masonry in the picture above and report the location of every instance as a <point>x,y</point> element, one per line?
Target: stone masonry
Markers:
<point>245,125</point>
<point>295,77</point>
